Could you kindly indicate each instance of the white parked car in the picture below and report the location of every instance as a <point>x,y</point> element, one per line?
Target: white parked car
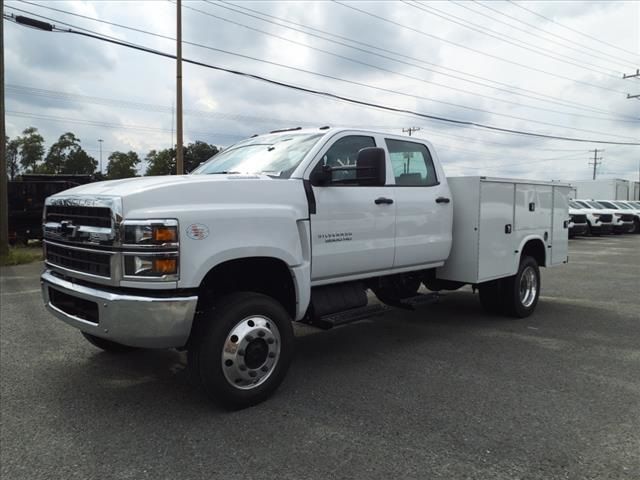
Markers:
<point>578,224</point>
<point>630,208</point>
<point>622,219</point>
<point>599,221</point>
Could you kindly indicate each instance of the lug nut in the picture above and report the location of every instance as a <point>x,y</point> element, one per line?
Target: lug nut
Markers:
<point>261,333</point>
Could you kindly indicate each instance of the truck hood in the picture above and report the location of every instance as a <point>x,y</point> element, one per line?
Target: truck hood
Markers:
<point>129,186</point>
<point>153,197</point>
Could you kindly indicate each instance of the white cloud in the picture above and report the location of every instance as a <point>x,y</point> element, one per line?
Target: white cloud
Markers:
<point>239,107</point>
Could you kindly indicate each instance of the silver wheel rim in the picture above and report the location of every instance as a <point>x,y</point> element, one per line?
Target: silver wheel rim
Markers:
<point>251,352</point>
<point>528,287</point>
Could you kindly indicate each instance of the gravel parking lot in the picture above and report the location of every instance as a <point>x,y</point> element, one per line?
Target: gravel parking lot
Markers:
<point>443,392</point>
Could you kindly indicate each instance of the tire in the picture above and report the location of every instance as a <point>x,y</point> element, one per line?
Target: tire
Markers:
<point>636,226</point>
<point>107,345</point>
<point>241,349</point>
<point>522,291</point>
<point>490,294</point>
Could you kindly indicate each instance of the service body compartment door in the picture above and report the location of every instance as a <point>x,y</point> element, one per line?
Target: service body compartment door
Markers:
<point>496,230</point>
<point>533,207</point>
<point>560,231</point>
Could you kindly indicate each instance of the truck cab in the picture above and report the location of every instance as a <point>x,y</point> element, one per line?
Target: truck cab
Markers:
<point>292,225</point>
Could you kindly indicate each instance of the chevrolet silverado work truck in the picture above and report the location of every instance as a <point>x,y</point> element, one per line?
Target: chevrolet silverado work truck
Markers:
<point>294,225</point>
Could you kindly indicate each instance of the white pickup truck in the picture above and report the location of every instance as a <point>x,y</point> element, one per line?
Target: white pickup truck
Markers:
<point>289,226</point>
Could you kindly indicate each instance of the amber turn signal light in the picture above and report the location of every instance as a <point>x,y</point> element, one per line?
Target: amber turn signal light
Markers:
<point>165,266</point>
<point>165,234</point>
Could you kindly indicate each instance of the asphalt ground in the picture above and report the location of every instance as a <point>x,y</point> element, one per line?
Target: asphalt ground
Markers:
<point>443,392</point>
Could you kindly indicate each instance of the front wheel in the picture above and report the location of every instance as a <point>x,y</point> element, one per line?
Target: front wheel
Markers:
<point>242,349</point>
<point>522,291</point>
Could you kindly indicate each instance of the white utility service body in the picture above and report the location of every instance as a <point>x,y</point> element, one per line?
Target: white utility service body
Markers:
<point>493,218</point>
<point>291,225</point>
<point>605,188</point>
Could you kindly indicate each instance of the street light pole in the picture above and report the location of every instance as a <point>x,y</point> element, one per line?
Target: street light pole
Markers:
<point>100,144</point>
<point>4,196</point>
<point>179,159</point>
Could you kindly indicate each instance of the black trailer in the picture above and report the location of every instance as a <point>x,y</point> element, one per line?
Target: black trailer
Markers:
<point>26,201</point>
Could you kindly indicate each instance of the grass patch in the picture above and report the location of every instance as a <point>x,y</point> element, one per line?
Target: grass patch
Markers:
<point>20,255</point>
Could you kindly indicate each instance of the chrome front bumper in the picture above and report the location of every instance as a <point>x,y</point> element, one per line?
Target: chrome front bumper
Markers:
<point>138,321</point>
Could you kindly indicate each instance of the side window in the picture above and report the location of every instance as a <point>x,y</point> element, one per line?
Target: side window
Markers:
<point>344,152</point>
<point>412,163</point>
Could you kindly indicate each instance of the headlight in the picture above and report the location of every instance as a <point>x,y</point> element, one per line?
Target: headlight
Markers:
<point>157,265</point>
<point>150,232</point>
<point>150,249</point>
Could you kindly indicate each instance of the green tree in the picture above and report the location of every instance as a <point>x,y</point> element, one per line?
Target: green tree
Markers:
<point>161,162</point>
<point>12,148</point>
<point>122,165</point>
<point>196,153</point>
<point>67,156</point>
<point>31,149</point>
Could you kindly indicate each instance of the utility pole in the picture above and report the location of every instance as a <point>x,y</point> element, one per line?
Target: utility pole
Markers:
<point>100,144</point>
<point>4,197</point>
<point>179,159</point>
<point>632,75</point>
<point>596,161</point>
<point>410,130</point>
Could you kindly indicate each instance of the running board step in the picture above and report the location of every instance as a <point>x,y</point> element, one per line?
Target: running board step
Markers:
<point>349,316</point>
<point>412,303</point>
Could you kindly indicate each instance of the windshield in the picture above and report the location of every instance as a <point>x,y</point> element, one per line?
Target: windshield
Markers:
<point>277,155</point>
<point>583,203</point>
<point>623,206</point>
<point>608,205</point>
<point>595,205</point>
<point>575,205</point>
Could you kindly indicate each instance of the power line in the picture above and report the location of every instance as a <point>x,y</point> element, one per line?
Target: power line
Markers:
<point>509,39</point>
<point>528,67</point>
<point>98,123</point>
<point>583,50</point>
<point>322,75</point>
<point>12,89</point>
<point>27,21</point>
<point>563,103</point>
<point>572,29</point>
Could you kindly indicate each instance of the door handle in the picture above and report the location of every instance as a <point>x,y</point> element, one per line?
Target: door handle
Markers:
<point>383,200</point>
<point>442,200</point>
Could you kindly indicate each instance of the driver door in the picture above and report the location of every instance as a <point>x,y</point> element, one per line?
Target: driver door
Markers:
<point>353,229</point>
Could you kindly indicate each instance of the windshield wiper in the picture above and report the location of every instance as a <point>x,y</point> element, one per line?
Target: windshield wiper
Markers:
<point>224,172</point>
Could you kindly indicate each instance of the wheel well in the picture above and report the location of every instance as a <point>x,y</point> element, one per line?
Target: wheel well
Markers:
<point>535,248</point>
<point>266,275</point>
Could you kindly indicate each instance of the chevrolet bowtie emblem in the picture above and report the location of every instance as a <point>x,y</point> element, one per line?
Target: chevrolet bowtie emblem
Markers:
<point>68,229</point>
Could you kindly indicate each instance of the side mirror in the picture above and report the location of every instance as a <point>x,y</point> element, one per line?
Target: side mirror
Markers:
<point>371,167</point>
<point>321,176</point>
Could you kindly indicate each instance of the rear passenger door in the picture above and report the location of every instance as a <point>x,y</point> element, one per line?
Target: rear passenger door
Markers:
<point>424,211</point>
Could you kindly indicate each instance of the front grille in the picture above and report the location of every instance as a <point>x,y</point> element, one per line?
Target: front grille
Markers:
<point>579,218</point>
<point>78,307</point>
<point>627,217</point>
<point>91,262</point>
<point>606,218</point>
<point>79,215</point>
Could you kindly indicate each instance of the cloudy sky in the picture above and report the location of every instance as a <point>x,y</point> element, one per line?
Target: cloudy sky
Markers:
<point>548,67</point>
